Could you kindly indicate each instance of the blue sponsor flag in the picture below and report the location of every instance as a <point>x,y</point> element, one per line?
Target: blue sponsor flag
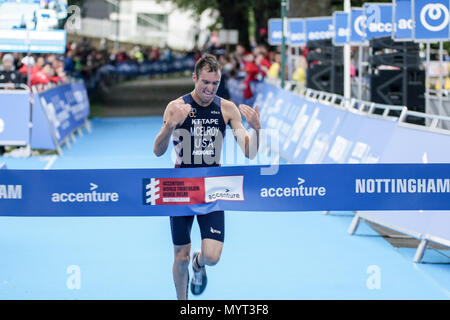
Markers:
<point>431,20</point>
<point>297,32</point>
<point>402,19</point>
<point>320,28</point>
<point>275,31</point>
<point>357,25</point>
<point>341,29</point>
<point>378,20</point>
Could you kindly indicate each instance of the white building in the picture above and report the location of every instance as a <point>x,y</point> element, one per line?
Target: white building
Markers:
<point>144,22</point>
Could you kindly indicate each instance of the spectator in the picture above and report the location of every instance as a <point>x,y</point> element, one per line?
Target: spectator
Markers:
<point>27,62</point>
<point>42,77</point>
<point>299,74</point>
<point>222,91</point>
<point>263,64</point>
<point>274,71</point>
<point>8,74</point>
<point>252,70</point>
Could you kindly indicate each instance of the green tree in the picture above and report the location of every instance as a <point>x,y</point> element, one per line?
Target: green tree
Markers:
<point>234,14</point>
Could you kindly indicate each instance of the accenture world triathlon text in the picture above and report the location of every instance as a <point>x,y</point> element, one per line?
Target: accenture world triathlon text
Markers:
<point>402,185</point>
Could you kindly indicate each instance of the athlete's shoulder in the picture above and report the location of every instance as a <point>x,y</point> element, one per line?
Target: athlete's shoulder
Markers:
<point>177,100</point>
<point>227,104</point>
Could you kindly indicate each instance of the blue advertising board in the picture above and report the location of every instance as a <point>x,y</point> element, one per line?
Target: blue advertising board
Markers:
<point>431,20</point>
<point>58,112</point>
<point>314,130</point>
<point>360,139</point>
<point>413,145</point>
<point>402,20</point>
<point>340,26</point>
<point>319,28</point>
<point>378,20</point>
<point>14,117</point>
<point>297,32</point>
<point>357,25</point>
<point>275,31</point>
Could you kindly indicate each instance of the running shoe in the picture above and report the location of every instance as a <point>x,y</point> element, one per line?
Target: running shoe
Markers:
<point>199,279</point>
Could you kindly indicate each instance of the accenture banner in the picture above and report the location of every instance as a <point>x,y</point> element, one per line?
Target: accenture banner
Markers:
<point>319,28</point>
<point>378,20</point>
<point>357,26</point>
<point>402,20</point>
<point>175,192</point>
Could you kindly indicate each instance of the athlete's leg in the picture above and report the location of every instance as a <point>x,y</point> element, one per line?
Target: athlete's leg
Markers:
<point>212,228</point>
<point>211,252</point>
<point>180,270</point>
<point>181,230</point>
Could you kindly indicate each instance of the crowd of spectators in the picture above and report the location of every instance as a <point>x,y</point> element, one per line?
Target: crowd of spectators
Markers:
<point>251,65</point>
<point>83,60</point>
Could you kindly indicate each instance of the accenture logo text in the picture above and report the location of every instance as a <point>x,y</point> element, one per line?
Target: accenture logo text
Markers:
<point>402,185</point>
<point>226,194</point>
<point>92,196</point>
<point>299,191</point>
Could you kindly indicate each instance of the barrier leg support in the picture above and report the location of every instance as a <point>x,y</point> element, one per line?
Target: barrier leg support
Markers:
<point>420,251</point>
<point>354,225</point>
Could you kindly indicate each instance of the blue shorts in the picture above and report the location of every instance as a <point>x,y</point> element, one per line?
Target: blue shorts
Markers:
<point>212,226</point>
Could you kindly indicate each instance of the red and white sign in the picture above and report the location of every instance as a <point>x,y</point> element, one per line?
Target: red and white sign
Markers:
<point>165,191</point>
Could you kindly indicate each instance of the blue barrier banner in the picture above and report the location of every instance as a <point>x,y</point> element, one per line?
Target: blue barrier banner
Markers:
<point>341,30</point>
<point>21,40</point>
<point>431,20</point>
<point>357,24</point>
<point>279,118</point>
<point>235,90</point>
<point>151,67</point>
<point>265,92</point>
<point>14,117</point>
<point>319,28</point>
<point>378,20</point>
<point>297,32</point>
<point>402,19</point>
<point>360,139</point>
<point>266,99</point>
<point>412,145</point>
<point>314,129</point>
<point>275,31</point>
<point>165,192</point>
<point>57,113</point>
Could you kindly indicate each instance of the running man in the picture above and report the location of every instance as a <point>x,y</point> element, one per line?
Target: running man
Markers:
<point>196,123</point>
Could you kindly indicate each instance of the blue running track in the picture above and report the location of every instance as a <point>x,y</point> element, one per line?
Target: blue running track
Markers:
<point>274,255</point>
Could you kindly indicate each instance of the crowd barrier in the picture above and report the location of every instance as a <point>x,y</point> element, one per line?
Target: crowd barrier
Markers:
<point>135,69</point>
<point>235,88</point>
<point>55,115</point>
<point>307,126</point>
<point>438,106</point>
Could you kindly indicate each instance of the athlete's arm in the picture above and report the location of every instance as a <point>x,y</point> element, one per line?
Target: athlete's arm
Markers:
<point>249,143</point>
<point>175,113</point>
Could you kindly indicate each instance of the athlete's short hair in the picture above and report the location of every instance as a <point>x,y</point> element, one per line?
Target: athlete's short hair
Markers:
<point>207,62</point>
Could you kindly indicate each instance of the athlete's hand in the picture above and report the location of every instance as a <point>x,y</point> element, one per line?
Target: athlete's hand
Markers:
<point>251,115</point>
<point>178,112</point>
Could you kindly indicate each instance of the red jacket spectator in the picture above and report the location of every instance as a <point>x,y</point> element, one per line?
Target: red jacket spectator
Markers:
<point>39,77</point>
<point>252,71</point>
